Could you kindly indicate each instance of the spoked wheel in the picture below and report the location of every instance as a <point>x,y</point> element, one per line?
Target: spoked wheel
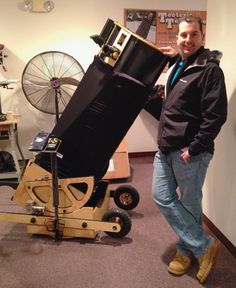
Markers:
<point>50,79</point>
<point>117,215</point>
<point>126,197</point>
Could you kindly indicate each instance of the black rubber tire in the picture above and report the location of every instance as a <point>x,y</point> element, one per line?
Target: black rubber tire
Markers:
<point>126,197</point>
<point>120,216</point>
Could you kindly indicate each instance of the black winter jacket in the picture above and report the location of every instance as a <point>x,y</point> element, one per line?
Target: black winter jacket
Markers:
<point>194,108</point>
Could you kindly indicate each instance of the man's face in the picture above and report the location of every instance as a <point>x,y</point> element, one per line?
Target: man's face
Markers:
<point>189,39</point>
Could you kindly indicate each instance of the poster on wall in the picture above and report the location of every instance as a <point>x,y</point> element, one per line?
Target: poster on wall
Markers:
<point>163,29</point>
<point>133,19</point>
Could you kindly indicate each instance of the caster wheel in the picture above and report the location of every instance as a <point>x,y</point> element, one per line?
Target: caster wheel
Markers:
<point>117,215</point>
<point>126,197</point>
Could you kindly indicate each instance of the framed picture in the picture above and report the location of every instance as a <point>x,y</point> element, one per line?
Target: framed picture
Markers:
<point>164,25</point>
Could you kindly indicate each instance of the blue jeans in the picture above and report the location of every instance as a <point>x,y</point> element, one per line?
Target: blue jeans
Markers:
<point>182,207</point>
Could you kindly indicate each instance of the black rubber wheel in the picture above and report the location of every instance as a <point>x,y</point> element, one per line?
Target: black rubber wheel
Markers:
<point>126,197</point>
<point>120,216</point>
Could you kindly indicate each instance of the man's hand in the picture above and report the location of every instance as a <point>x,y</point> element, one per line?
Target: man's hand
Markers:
<point>185,155</point>
<point>168,51</point>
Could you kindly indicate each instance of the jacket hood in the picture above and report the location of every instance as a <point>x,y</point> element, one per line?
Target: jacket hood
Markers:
<point>206,55</point>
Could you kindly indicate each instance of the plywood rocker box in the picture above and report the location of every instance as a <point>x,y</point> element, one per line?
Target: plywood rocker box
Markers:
<point>62,189</point>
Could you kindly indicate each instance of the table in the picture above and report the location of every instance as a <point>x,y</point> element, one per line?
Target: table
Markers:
<point>9,132</point>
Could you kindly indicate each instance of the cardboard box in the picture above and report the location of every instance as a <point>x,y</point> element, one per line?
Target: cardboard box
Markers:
<point>119,164</point>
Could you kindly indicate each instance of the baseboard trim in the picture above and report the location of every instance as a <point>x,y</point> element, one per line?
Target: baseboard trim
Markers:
<point>142,154</point>
<point>230,247</point>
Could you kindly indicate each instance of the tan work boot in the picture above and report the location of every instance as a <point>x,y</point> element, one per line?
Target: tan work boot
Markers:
<point>180,264</point>
<point>207,261</point>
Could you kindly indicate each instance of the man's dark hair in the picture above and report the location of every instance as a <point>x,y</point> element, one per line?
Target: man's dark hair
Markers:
<point>192,19</point>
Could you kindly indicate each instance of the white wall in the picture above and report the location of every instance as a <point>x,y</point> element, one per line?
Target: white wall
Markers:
<point>67,28</point>
<point>220,187</point>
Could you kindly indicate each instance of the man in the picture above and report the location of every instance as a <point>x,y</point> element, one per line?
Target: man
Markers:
<point>191,116</point>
